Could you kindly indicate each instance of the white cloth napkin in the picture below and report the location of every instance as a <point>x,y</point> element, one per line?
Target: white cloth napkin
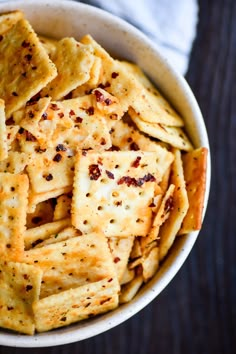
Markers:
<point>171,24</point>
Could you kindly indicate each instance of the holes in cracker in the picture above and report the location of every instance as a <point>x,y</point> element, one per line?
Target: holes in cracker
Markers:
<point>100,207</point>
<point>112,221</point>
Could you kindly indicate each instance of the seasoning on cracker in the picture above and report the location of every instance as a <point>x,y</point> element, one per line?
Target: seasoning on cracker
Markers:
<point>97,178</point>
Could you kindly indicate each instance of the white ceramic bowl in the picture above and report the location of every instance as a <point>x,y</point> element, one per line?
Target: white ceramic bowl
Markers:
<point>68,18</point>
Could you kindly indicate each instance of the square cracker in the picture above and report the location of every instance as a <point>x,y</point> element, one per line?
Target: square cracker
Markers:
<point>13,205</point>
<point>172,135</point>
<point>178,207</point>
<point>76,304</point>
<point>24,65</point>
<point>73,262</point>
<point>73,61</point>
<point>20,285</point>
<point>194,164</point>
<point>112,192</point>
<point>3,132</point>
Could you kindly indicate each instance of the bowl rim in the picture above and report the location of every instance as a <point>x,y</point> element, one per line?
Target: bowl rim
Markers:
<point>153,288</point>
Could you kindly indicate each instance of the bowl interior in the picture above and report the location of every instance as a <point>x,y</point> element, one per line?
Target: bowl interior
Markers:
<point>66,18</point>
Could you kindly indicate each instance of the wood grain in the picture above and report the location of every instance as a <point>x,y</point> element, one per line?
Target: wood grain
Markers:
<point>196,313</point>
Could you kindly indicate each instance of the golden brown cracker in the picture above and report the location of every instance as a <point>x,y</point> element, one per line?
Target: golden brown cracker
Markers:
<point>76,304</point>
<point>25,66</point>
<point>13,205</point>
<point>20,285</point>
<point>194,164</point>
<point>178,207</point>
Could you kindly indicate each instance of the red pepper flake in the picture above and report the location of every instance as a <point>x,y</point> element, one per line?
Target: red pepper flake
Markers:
<point>104,86</point>
<point>9,308</point>
<point>63,319</point>
<point>131,181</point>
<point>152,205</point>
<point>103,141</point>
<point>72,113</point>
<point>60,114</point>
<point>127,180</point>
<point>110,174</point>
<point>1,37</point>
<point>45,115</point>
<point>99,96</point>
<point>79,119</point>
<point>60,147</point>
<point>129,140</point>
<point>54,107</point>
<point>114,116</point>
<point>14,93</point>
<point>110,280</point>
<point>28,287</point>
<point>134,147</point>
<point>31,114</point>
<point>169,204</point>
<point>90,111</point>
<point>28,57</point>
<point>116,259</point>
<point>39,150</point>
<point>94,172</point>
<point>57,158</point>
<point>114,75</point>
<point>25,44</point>
<point>29,136</point>
<point>108,101</point>
<point>48,177</point>
<point>136,162</point>
<point>26,276</point>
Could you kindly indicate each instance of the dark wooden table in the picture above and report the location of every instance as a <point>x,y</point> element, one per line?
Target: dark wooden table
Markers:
<point>196,313</point>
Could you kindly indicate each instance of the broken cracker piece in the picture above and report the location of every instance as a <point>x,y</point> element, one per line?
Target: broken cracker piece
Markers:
<point>179,207</point>
<point>20,285</point>
<point>22,52</point>
<point>194,164</point>
<point>13,205</point>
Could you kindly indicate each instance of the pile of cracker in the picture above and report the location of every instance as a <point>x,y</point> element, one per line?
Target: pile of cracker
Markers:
<point>97,179</point>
